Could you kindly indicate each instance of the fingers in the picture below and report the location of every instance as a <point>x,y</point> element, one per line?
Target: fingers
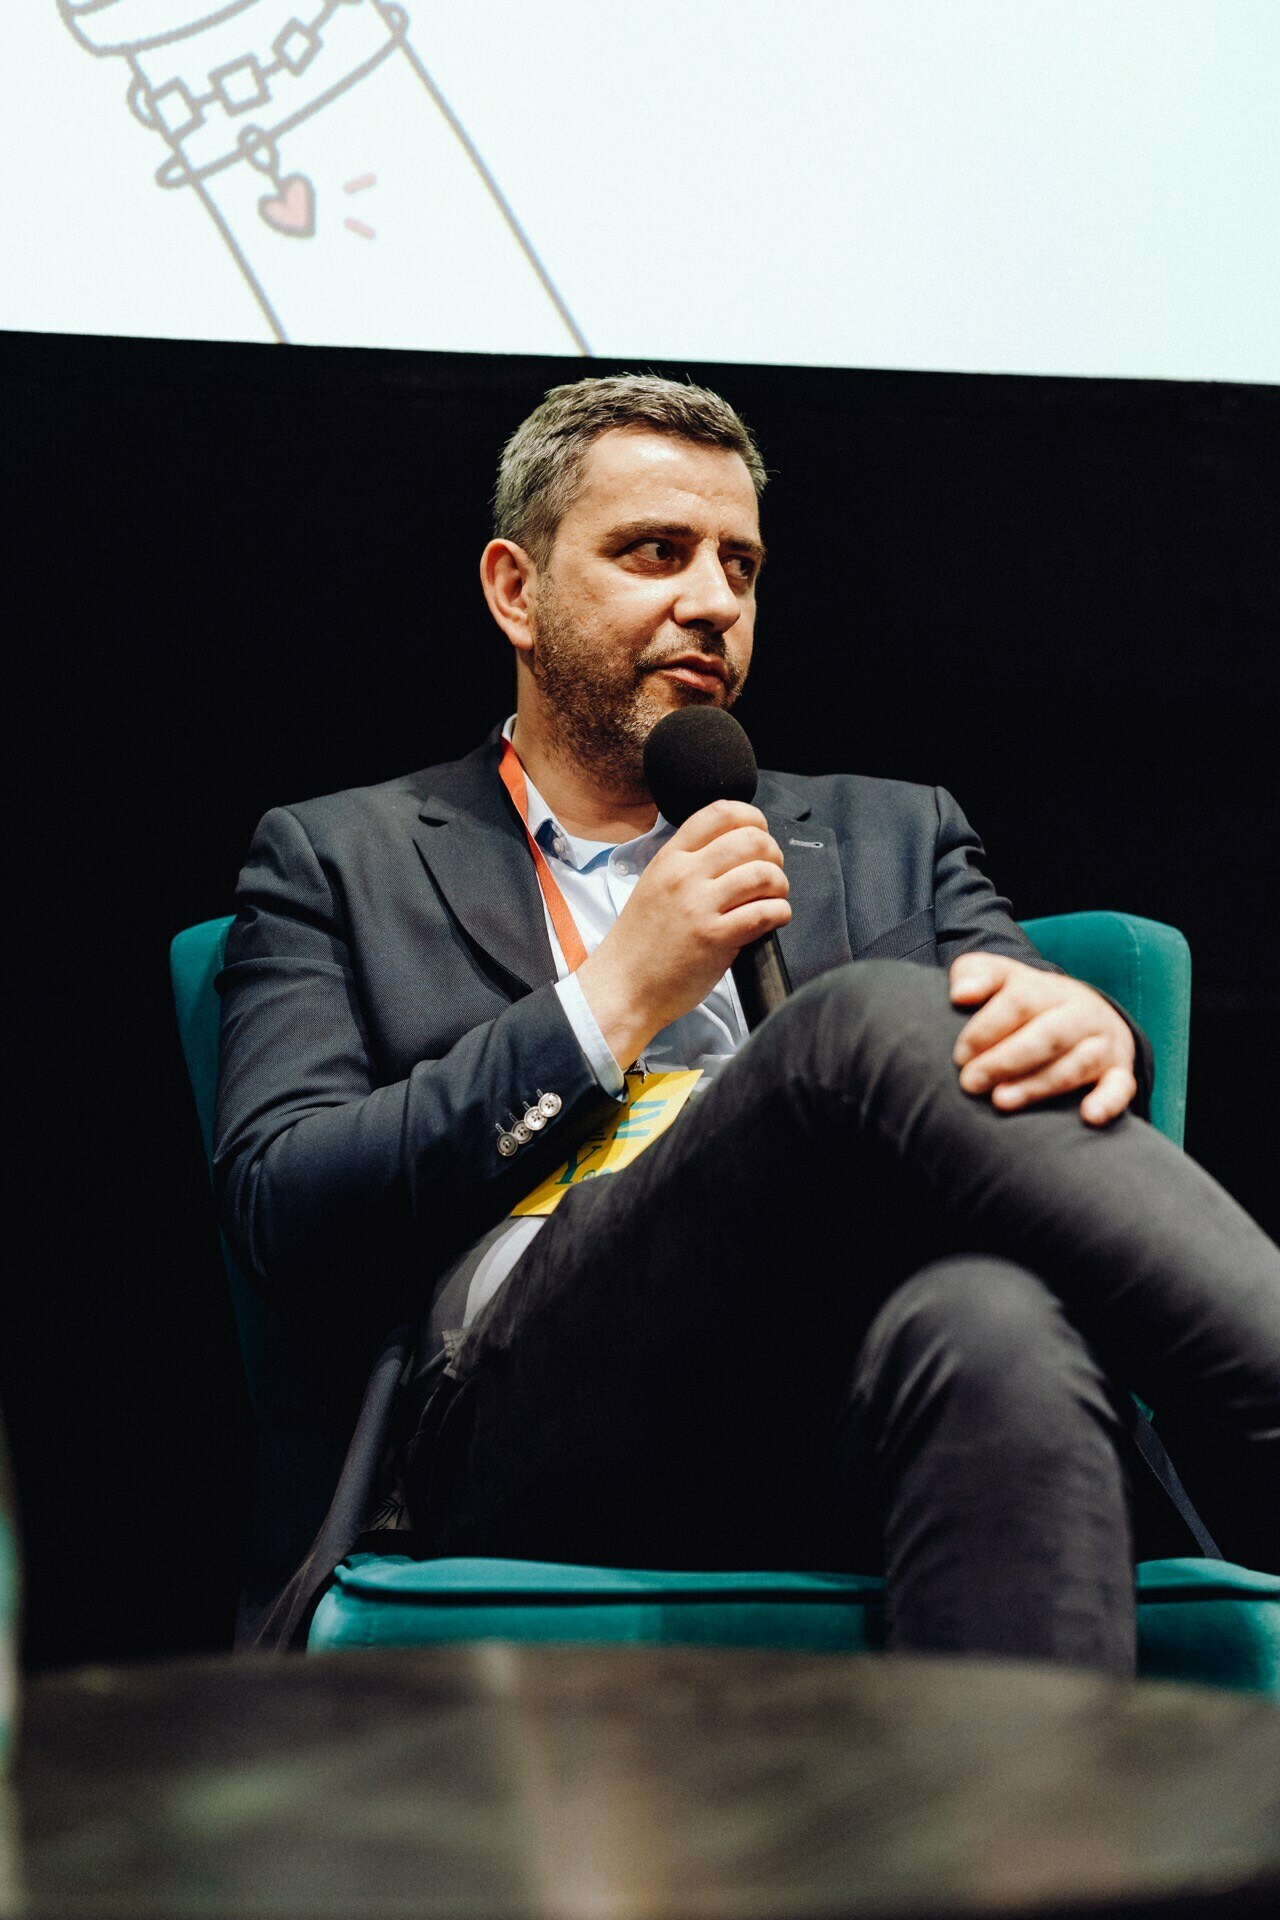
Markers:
<point>755,884</point>
<point>1110,1097</point>
<point>1080,1066</point>
<point>738,854</point>
<point>737,848</point>
<point>1010,1045</point>
<point>976,976</point>
<point>721,817</point>
<point>1089,1061</point>
<point>727,869</point>
<point>750,922</point>
<point>1114,1090</point>
<point>1014,1001</point>
<point>746,886</point>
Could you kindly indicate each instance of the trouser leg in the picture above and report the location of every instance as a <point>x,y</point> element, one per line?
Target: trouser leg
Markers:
<point>992,1441</point>
<point>656,1370</point>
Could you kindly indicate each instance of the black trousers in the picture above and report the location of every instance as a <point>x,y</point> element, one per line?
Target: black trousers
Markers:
<point>845,1316</point>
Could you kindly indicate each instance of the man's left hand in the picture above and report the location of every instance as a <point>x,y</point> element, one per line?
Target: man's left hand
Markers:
<point>1039,1034</point>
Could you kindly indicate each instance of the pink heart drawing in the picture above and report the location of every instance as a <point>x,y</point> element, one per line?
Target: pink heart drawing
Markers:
<point>292,209</point>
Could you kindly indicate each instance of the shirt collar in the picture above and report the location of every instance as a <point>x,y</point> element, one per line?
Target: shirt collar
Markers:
<point>546,829</point>
<point>543,825</point>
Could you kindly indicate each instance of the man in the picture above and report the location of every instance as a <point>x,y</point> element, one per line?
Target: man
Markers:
<point>874,1299</point>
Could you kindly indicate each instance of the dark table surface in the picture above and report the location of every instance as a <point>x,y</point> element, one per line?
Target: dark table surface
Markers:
<point>601,1783</point>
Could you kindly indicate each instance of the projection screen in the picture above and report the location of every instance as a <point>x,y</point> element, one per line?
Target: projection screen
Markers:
<point>1038,186</point>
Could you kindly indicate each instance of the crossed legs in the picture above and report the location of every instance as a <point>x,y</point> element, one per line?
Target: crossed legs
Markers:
<point>845,1315</point>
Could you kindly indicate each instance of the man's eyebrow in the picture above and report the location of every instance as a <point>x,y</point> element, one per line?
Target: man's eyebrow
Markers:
<point>679,530</point>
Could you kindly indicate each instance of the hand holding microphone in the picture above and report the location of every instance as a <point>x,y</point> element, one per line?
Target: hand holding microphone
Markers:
<point>713,897</point>
<point>694,758</point>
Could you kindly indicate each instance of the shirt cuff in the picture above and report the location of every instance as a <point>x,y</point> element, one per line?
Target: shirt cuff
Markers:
<point>595,1047</point>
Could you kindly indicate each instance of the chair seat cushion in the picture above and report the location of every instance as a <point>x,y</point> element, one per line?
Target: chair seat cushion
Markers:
<point>393,1601</point>
<point>1200,1620</point>
<point>1209,1621</point>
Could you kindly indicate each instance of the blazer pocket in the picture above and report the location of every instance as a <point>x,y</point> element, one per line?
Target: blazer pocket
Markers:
<point>902,941</point>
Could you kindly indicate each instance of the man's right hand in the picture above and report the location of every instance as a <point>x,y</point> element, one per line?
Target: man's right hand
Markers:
<point>717,885</point>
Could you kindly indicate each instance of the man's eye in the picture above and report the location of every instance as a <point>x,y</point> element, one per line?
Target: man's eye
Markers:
<point>741,567</point>
<point>660,550</point>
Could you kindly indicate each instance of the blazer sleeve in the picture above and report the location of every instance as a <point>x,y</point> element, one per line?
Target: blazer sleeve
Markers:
<point>327,1180</point>
<point>971,917</point>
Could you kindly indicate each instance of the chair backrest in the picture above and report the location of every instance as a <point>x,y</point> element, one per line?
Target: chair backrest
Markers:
<point>195,961</point>
<point>1143,964</point>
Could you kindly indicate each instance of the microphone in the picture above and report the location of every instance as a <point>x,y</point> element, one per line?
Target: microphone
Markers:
<point>693,756</point>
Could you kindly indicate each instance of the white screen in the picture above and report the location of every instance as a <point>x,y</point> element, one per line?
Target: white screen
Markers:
<point>1019,186</point>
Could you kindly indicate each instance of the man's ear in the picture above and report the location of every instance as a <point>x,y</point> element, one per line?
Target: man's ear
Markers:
<point>509,577</point>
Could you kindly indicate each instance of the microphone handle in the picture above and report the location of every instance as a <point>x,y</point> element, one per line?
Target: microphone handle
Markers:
<point>760,975</point>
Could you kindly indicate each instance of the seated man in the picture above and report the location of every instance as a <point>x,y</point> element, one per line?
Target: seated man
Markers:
<point>875,1298</point>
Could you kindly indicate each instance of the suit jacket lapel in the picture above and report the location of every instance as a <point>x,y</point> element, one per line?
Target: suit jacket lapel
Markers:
<point>472,842</point>
<point>817,935</point>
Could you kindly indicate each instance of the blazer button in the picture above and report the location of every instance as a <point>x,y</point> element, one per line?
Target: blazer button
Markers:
<point>521,1133</point>
<point>535,1119</point>
<point>507,1145</point>
<point>549,1105</point>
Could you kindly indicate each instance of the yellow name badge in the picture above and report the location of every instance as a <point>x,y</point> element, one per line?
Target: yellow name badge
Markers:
<point>652,1102</point>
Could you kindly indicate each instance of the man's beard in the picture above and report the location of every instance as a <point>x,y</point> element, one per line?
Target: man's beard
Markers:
<point>605,707</point>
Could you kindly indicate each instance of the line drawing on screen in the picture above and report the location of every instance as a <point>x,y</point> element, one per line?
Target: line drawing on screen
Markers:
<point>276,115</point>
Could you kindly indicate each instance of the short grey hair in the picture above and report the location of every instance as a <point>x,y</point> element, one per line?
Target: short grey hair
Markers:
<point>540,473</point>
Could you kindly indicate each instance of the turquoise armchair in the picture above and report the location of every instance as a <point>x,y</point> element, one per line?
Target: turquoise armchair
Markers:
<point>1203,1620</point>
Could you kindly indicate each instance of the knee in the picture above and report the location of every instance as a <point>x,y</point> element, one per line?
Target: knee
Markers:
<point>868,989</point>
<point>872,1011</point>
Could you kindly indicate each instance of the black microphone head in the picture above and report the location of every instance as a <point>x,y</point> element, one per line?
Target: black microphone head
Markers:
<point>696,755</point>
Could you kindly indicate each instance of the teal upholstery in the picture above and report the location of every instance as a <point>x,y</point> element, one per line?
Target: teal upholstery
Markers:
<point>1201,1620</point>
<point>388,1600</point>
<point>195,961</point>
<point>1197,1619</point>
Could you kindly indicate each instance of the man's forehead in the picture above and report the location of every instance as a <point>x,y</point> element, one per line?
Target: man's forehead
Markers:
<point>630,471</point>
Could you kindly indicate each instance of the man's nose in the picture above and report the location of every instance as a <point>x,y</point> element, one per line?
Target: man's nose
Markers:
<point>706,596</point>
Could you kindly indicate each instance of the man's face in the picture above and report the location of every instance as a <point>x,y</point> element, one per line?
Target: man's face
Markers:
<point>648,599</point>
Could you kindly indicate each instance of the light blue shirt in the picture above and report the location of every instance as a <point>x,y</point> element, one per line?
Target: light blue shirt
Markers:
<point>597,879</point>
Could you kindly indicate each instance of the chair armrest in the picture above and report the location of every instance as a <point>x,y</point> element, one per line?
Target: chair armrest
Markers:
<point>1146,967</point>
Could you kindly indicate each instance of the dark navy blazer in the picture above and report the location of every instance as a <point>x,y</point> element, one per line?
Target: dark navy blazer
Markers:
<point>387,1004</point>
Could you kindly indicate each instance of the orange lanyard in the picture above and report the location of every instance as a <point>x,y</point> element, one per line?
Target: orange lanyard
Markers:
<point>511,774</point>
